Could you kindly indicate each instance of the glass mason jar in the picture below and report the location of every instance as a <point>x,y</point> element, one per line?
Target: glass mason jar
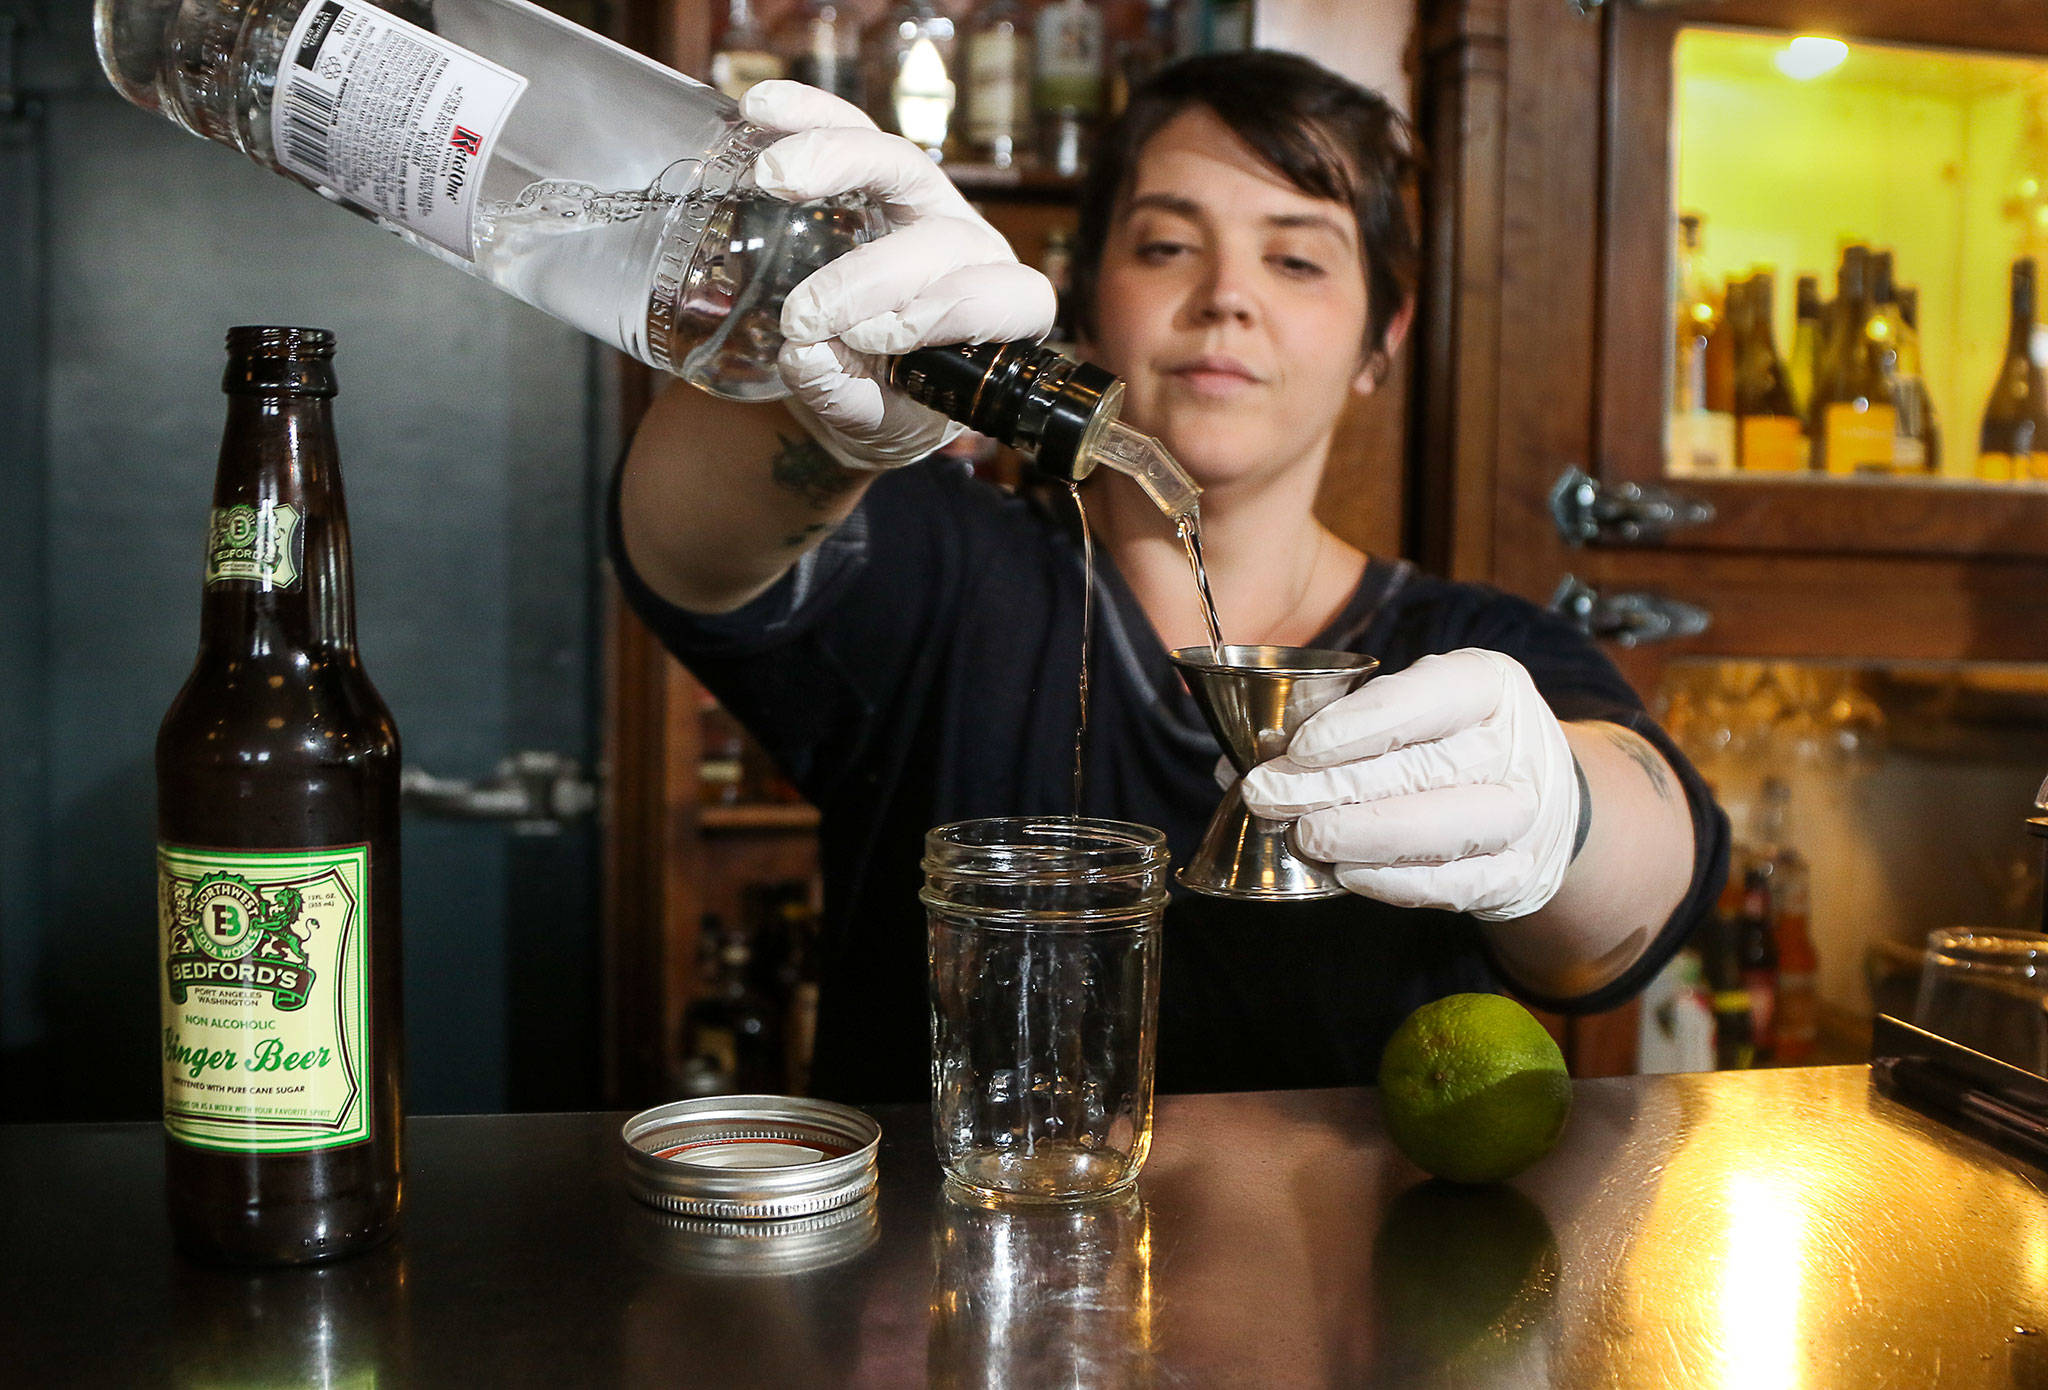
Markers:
<point>1987,988</point>
<point>1044,938</point>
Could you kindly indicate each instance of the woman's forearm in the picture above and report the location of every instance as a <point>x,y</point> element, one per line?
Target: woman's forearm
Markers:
<point>1627,880</point>
<point>719,498</point>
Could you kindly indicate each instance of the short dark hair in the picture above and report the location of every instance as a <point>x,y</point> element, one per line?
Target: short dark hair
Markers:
<point>1329,136</point>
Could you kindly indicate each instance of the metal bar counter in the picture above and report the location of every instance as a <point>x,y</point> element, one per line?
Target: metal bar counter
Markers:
<point>1741,1229</point>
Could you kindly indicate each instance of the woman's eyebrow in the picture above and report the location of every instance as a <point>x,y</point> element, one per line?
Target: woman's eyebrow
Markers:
<point>1167,202</point>
<point>1312,220</point>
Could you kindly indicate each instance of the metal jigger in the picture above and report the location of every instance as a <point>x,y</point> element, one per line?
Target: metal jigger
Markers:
<point>1254,699</point>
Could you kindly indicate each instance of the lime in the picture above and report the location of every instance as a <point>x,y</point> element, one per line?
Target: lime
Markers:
<point>1473,1089</point>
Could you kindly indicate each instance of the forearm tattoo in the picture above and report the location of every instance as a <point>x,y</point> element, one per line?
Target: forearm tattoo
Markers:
<point>1646,757</point>
<point>801,467</point>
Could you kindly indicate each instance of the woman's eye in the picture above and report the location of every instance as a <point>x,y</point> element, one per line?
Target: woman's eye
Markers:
<point>1159,252</point>
<point>1297,267</point>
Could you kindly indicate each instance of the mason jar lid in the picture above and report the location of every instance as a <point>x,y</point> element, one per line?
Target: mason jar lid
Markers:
<point>750,1158</point>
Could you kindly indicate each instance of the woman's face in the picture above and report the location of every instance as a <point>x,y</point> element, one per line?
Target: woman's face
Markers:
<point>1232,304</point>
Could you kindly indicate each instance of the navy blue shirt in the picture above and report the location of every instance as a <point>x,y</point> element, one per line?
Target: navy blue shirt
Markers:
<point>921,666</point>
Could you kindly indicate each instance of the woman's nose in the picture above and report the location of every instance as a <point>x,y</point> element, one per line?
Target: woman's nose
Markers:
<point>1225,294</point>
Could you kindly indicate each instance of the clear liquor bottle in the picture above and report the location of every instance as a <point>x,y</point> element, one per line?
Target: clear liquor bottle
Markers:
<point>589,181</point>
<point>1919,430</point>
<point>1702,438</point>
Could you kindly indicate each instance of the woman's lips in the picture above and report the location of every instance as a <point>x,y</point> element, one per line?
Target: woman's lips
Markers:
<point>1214,378</point>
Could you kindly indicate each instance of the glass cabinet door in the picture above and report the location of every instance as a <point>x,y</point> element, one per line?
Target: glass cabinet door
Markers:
<point>1835,243</point>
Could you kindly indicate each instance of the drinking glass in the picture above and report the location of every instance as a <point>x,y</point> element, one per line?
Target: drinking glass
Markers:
<point>1987,988</point>
<point>1044,936</point>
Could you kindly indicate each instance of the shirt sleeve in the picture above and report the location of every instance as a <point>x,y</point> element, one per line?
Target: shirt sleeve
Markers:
<point>840,647</point>
<point>1579,683</point>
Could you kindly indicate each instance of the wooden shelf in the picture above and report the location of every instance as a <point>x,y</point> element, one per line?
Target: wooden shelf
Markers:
<point>759,816</point>
<point>1018,184</point>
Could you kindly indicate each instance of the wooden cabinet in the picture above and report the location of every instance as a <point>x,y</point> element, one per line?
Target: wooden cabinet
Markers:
<point>1545,339</point>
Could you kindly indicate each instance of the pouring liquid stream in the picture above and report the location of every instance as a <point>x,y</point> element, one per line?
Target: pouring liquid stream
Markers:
<point>1189,528</point>
<point>1087,633</point>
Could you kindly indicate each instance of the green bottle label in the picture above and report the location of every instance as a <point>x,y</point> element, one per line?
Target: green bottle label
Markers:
<point>263,543</point>
<point>266,996</point>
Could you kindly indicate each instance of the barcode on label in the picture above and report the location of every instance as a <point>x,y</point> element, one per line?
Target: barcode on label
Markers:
<point>308,122</point>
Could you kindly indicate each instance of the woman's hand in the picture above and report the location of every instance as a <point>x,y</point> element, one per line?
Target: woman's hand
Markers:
<point>941,274</point>
<point>1447,785</point>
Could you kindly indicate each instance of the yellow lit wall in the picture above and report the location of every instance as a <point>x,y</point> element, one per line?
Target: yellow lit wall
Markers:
<point>1921,151</point>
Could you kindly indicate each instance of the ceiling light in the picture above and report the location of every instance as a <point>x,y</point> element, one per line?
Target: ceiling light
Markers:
<point>1807,57</point>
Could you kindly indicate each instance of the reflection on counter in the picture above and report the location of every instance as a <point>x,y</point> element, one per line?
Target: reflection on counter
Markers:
<point>1897,793</point>
<point>1042,1294</point>
<point>340,1325</point>
<point>1464,1279</point>
<point>1792,1239</point>
<point>696,1245</point>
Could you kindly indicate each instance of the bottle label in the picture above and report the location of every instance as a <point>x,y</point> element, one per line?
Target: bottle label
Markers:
<point>263,543</point>
<point>394,119</point>
<point>995,95</point>
<point>736,71</point>
<point>1069,59</point>
<point>266,996</point>
<point>1860,441</point>
<point>2002,468</point>
<point>1770,444</point>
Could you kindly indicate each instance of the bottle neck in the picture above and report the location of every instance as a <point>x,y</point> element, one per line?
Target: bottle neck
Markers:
<point>2020,330</point>
<point>278,573</point>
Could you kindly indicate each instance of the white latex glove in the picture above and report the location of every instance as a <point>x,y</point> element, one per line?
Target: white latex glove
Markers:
<point>1446,785</point>
<point>940,274</point>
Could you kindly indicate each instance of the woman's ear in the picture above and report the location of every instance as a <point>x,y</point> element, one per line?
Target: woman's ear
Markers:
<point>1376,366</point>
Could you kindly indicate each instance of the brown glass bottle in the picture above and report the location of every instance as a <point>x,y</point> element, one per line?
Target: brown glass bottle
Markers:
<point>278,875</point>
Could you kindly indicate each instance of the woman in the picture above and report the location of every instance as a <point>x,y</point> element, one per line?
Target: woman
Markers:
<point>905,640</point>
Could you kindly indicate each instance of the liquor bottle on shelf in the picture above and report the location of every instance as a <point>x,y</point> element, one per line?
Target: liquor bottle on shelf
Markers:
<point>1067,80</point>
<point>1137,58</point>
<point>1854,419</point>
<point>999,83</point>
<point>1885,330</point>
<point>743,56</point>
<point>1056,263</point>
<point>1701,440</point>
<point>721,760</point>
<point>1227,26</point>
<point>731,1027</point>
<point>1919,448</point>
<point>1719,943</point>
<point>2013,426</point>
<point>1795,1025</point>
<point>1768,438</point>
<point>1759,952</point>
<point>819,44</point>
<point>781,931</point>
<point>1805,344</point>
<point>909,57</point>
